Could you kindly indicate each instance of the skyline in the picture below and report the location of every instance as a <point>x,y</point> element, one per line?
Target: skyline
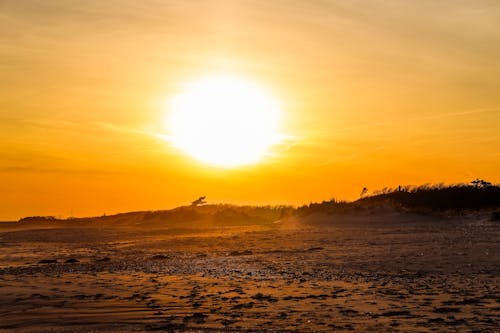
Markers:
<point>373,94</point>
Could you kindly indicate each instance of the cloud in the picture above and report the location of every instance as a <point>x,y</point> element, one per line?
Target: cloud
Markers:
<point>458,113</point>
<point>38,169</point>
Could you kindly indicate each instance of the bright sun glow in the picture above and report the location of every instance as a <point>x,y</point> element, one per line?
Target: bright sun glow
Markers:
<point>224,120</point>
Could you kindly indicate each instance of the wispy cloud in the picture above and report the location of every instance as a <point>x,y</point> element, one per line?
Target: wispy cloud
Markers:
<point>393,122</point>
<point>458,113</point>
<point>56,170</point>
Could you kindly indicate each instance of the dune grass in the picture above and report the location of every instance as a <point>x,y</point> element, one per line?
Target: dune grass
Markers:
<point>419,199</point>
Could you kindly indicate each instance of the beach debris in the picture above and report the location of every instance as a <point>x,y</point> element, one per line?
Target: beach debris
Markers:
<point>48,261</point>
<point>72,261</point>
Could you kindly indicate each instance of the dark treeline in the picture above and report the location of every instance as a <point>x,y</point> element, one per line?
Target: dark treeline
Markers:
<point>440,197</point>
<point>420,199</point>
<point>423,199</point>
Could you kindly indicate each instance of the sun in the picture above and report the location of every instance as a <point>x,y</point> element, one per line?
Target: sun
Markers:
<point>224,120</point>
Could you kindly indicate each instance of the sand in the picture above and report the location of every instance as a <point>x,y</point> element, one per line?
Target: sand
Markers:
<point>386,272</point>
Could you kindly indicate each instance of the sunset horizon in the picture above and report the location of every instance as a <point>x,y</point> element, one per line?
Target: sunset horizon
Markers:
<point>249,166</point>
<point>370,94</point>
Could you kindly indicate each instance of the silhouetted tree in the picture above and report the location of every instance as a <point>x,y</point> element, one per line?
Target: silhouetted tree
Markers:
<point>199,201</point>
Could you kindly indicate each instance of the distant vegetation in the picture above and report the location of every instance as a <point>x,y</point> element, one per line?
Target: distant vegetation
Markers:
<point>477,195</point>
<point>38,219</point>
<point>440,197</point>
<point>421,199</point>
<point>219,214</point>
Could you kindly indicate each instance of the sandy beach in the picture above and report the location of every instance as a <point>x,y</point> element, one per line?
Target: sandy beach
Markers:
<point>387,272</point>
<point>249,166</point>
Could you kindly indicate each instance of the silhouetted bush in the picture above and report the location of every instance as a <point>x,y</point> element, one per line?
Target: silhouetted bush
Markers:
<point>495,216</point>
<point>328,207</point>
<point>38,219</point>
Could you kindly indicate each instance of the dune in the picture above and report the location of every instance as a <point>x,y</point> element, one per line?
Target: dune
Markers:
<point>370,270</point>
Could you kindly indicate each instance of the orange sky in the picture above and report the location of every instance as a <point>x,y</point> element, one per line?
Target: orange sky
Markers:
<point>374,93</point>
